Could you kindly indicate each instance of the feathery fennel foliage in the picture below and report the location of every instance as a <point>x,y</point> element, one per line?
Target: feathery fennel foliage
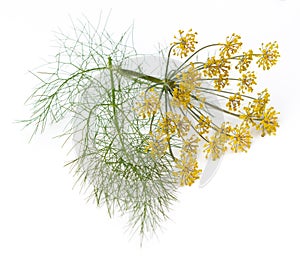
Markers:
<point>85,84</point>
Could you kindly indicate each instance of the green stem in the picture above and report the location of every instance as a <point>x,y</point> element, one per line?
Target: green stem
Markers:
<point>222,91</point>
<point>113,90</point>
<point>242,55</point>
<point>114,105</point>
<point>168,60</point>
<point>140,75</point>
<point>221,109</point>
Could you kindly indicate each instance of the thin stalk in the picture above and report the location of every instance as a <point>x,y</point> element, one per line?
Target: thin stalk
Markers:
<point>221,109</point>
<point>113,97</point>
<point>168,60</point>
<point>209,89</point>
<point>140,75</point>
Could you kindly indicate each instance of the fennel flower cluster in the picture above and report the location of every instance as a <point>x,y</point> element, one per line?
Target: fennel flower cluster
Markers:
<point>181,117</point>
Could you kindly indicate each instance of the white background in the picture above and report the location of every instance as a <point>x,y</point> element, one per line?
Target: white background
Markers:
<point>251,207</point>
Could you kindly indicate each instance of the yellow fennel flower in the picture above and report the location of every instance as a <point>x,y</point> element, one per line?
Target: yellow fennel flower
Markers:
<point>221,82</point>
<point>181,98</point>
<point>248,116</point>
<point>188,170</point>
<point>213,148</point>
<point>234,102</point>
<point>269,55</point>
<point>203,125</point>
<point>150,103</point>
<point>157,145</point>
<point>259,105</point>
<point>231,46</point>
<point>184,44</point>
<point>255,109</point>
<point>215,67</point>
<point>269,122</point>
<point>246,81</point>
<point>166,125</point>
<point>244,61</point>
<point>216,145</point>
<point>240,141</point>
<point>190,79</point>
<point>182,124</point>
<point>190,145</point>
